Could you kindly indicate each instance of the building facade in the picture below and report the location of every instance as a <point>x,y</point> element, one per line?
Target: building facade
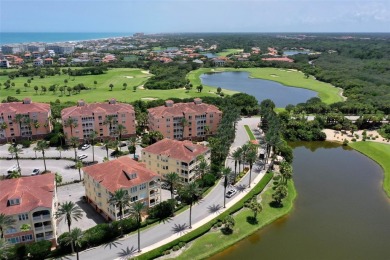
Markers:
<point>194,120</point>
<point>104,179</point>
<point>31,202</point>
<point>103,118</point>
<point>24,120</point>
<point>182,157</point>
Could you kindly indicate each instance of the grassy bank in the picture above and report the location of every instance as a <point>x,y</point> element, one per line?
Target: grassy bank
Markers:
<point>215,241</point>
<point>227,52</point>
<point>117,76</point>
<point>249,132</point>
<point>328,93</point>
<point>380,153</point>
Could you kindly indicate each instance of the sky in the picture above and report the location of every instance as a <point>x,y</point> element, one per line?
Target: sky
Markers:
<point>165,16</point>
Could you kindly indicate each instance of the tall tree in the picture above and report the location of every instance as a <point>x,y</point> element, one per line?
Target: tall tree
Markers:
<point>190,193</point>
<point>5,223</point>
<point>4,126</point>
<point>279,194</point>
<point>74,142</point>
<point>120,130</point>
<point>79,165</point>
<point>255,206</point>
<point>236,156</point>
<point>172,179</point>
<point>120,199</point>
<point>133,144</point>
<point>42,146</point>
<point>71,123</point>
<point>58,179</point>
<point>251,158</point>
<point>226,172</point>
<point>15,151</point>
<point>19,119</point>
<point>92,137</point>
<point>136,212</point>
<point>286,171</point>
<point>75,238</point>
<point>109,120</point>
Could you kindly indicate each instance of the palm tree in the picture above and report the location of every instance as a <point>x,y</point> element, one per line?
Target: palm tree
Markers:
<point>42,146</point>
<point>107,143</point>
<point>68,211</point>
<point>4,247</point>
<point>71,123</point>
<point>5,223</point>
<point>58,179</point>
<point>74,141</point>
<point>133,144</point>
<point>172,179</point>
<point>286,171</point>
<point>124,86</point>
<point>111,86</point>
<point>3,126</point>
<point>120,129</point>
<point>60,135</point>
<point>75,238</point>
<point>60,150</point>
<point>203,167</point>
<point>184,123</point>
<point>190,193</point>
<point>236,156</point>
<point>251,158</point>
<point>109,120</point>
<point>36,125</point>
<point>25,227</point>
<point>279,194</point>
<point>136,212</point>
<point>19,119</point>
<point>14,150</point>
<point>255,206</point>
<point>79,165</point>
<point>121,200</point>
<point>14,175</point>
<point>229,223</point>
<point>226,172</point>
<point>92,136</point>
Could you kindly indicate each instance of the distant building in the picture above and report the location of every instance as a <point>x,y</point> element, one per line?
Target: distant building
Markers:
<point>193,120</point>
<point>12,48</point>
<point>30,201</point>
<point>36,47</point>
<point>61,48</point>
<point>34,120</point>
<point>170,155</point>
<point>102,118</point>
<point>38,62</point>
<point>104,179</point>
<point>283,59</point>
<point>4,63</point>
<point>48,61</point>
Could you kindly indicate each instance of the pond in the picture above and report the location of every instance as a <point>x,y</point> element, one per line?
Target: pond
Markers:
<point>293,52</point>
<point>261,89</point>
<point>341,211</point>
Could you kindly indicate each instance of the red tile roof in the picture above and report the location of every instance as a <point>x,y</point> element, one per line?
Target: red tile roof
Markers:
<point>88,109</point>
<point>33,192</point>
<point>113,175</point>
<point>184,151</point>
<point>20,108</point>
<point>180,109</point>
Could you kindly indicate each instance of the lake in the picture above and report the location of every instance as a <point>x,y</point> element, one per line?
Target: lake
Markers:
<point>261,89</point>
<point>341,211</point>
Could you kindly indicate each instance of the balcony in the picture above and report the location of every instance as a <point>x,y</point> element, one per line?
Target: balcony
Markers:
<point>42,217</point>
<point>43,228</point>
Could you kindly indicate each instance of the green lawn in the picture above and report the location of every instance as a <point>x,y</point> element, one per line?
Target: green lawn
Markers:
<point>117,76</point>
<point>380,153</point>
<point>249,132</point>
<point>328,93</point>
<point>214,241</point>
<point>226,52</point>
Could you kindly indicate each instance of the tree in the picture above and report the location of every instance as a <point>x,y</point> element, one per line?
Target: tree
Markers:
<point>69,89</point>
<point>226,172</point>
<point>136,212</point>
<point>25,227</point>
<point>109,120</point>
<point>25,87</point>
<point>190,193</point>
<point>107,143</point>
<point>75,238</point>
<point>251,158</point>
<point>42,146</point>
<point>219,90</point>
<point>120,199</point>
<point>14,175</point>
<point>15,151</point>
<point>58,179</point>
<point>279,194</point>
<point>229,224</point>
<point>236,156</point>
<point>19,119</point>
<point>79,165</point>
<point>121,129</point>
<point>255,206</point>
<point>111,86</point>
<point>60,150</point>
<point>92,136</point>
<point>4,126</point>
<point>4,249</point>
<point>286,171</point>
<point>124,86</point>
<point>199,88</point>
<point>71,123</point>
<point>5,223</point>
<point>172,179</point>
<point>74,142</point>
<point>203,167</point>
<point>95,83</point>
<point>132,145</point>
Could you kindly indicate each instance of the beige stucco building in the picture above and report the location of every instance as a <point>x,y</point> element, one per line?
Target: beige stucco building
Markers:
<point>31,201</point>
<point>194,120</point>
<point>182,157</point>
<point>103,179</point>
<point>103,118</point>
<point>24,120</point>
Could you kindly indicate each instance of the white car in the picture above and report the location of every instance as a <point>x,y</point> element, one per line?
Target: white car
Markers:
<point>85,147</point>
<point>36,172</point>
<point>82,156</point>
<point>231,193</point>
<point>13,168</point>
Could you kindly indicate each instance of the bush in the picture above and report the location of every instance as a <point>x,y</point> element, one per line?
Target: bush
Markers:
<point>353,140</point>
<point>39,250</point>
<point>175,248</point>
<point>208,180</point>
<point>162,210</point>
<point>25,143</point>
<point>167,252</point>
<point>182,244</point>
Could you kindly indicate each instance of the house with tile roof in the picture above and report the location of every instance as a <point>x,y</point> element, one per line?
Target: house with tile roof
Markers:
<point>24,120</point>
<point>193,120</point>
<point>32,201</point>
<point>103,118</point>
<point>104,179</point>
<point>182,157</point>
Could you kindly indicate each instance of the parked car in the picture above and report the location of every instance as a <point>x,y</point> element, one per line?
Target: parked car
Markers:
<point>85,147</point>
<point>231,193</point>
<point>36,172</point>
<point>82,156</point>
<point>13,168</point>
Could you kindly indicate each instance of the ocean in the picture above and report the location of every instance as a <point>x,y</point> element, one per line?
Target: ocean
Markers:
<point>11,37</point>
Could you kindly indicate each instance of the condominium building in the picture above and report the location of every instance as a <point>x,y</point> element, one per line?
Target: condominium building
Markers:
<point>182,157</point>
<point>12,48</point>
<point>62,48</point>
<point>103,118</point>
<point>25,119</point>
<point>31,202</point>
<point>104,179</point>
<point>194,120</point>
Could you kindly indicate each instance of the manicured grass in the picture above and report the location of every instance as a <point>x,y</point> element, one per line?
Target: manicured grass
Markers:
<point>328,93</point>
<point>116,76</point>
<point>226,52</point>
<point>380,153</point>
<point>249,132</point>
<point>215,241</point>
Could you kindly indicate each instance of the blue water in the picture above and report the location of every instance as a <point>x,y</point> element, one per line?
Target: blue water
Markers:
<point>9,37</point>
<point>293,52</point>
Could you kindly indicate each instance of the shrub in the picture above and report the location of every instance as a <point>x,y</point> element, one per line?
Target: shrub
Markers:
<point>345,142</point>
<point>25,143</point>
<point>182,244</point>
<point>18,91</point>
<point>39,250</point>
<point>208,180</point>
<point>167,252</point>
<point>162,210</point>
<point>353,140</point>
<point>175,248</point>
<point>276,178</point>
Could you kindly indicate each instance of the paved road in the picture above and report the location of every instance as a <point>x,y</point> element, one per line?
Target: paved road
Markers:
<point>208,206</point>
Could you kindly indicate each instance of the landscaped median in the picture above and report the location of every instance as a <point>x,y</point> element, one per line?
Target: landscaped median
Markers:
<point>380,153</point>
<point>206,227</point>
<point>249,132</point>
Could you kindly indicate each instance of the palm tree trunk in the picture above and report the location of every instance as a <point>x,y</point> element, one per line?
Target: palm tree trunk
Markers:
<point>93,153</point>
<point>77,255</point>
<point>75,154</point>
<point>224,197</point>
<point>250,175</point>
<point>190,215</point>
<point>139,232</point>
<point>80,174</point>
<point>44,160</point>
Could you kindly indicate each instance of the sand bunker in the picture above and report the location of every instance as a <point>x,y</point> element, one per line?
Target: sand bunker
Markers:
<point>338,136</point>
<point>129,77</point>
<point>149,98</point>
<point>145,72</point>
<point>275,76</point>
<point>141,87</point>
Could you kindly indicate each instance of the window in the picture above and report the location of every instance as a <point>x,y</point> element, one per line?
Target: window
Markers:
<point>13,240</point>
<point>134,198</point>
<point>12,202</point>
<point>142,186</point>
<point>11,230</point>
<point>23,216</point>
<point>27,237</point>
<point>133,189</point>
<point>165,167</point>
